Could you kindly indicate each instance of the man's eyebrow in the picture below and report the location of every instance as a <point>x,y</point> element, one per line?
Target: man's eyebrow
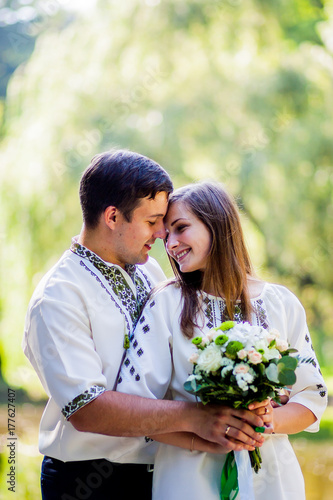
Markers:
<point>155,215</point>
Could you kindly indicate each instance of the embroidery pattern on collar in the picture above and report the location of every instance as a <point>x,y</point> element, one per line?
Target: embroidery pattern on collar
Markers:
<point>260,313</point>
<point>215,312</point>
<point>142,289</point>
<point>118,283</point>
<point>125,313</point>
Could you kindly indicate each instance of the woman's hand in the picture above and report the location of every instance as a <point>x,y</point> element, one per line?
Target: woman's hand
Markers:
<point>193,442</point>
<point>284,398</point>
<point>264,409</point>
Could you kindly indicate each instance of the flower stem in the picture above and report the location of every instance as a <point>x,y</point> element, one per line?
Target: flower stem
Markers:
<point>255,457</point>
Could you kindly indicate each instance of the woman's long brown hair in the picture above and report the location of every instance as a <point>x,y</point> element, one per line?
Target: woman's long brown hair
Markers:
<point>228,263</point>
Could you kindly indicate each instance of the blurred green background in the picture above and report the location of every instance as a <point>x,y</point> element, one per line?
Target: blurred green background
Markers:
<point>236,90</point>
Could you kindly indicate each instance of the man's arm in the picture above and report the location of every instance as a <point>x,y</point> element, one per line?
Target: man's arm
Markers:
<point>118,414</point>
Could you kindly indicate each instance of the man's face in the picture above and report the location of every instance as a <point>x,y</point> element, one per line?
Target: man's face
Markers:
<point>133,240</point>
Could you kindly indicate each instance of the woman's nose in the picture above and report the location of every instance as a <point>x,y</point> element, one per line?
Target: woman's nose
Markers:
<point>172,242</point>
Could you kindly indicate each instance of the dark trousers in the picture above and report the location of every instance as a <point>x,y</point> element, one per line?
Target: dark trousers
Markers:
<point>94,480</point>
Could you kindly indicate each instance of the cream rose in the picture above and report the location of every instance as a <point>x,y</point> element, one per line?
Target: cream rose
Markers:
<point>211,335</point>
<point>254,357</point>
<point>193,358</point>
<point>273,334</point>
<point>241,368</point>
<point>205,341</point>
<point>281,345</point>
<point>242,354</point>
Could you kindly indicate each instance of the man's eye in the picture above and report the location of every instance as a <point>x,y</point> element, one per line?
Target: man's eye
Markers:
<point>152,223</point>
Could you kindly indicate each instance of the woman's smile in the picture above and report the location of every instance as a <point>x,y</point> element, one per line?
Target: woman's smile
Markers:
<point>180,255</point>
<point>188,239</point>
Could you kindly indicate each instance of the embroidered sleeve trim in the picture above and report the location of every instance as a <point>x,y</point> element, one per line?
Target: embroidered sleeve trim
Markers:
<point>81,400</point>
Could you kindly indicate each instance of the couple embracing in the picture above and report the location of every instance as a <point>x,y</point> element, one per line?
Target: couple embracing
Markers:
<point>110,340</point>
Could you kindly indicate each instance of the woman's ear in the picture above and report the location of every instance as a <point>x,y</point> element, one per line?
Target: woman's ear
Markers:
<point>110,216</point>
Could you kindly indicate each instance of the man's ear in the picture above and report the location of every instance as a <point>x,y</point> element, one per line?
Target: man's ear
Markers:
<point>110,216</point>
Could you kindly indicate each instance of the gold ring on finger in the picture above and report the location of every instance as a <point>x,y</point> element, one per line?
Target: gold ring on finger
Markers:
<point>227,430</point>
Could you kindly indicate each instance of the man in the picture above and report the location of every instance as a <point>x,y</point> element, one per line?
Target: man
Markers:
<point>79,321</point>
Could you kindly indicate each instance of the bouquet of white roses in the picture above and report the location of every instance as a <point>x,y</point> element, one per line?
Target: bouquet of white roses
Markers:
<point>237,364</point>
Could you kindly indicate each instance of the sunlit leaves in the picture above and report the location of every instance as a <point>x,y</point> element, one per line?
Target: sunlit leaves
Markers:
<point>237,91</point>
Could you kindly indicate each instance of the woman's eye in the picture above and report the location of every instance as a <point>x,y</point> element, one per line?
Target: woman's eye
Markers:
<point>181,228</point>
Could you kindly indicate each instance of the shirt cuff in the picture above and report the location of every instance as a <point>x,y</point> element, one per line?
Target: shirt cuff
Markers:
<point>82,399</point>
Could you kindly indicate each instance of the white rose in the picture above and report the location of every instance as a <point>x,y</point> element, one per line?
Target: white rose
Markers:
<point>210,359</point>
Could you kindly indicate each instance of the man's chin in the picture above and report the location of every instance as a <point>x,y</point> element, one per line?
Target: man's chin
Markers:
<point>142,259</point>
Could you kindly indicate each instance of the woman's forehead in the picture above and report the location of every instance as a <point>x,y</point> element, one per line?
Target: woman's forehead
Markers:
<point>177,210</point>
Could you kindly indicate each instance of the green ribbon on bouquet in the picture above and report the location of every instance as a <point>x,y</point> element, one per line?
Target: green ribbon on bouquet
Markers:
<point>229,478</point>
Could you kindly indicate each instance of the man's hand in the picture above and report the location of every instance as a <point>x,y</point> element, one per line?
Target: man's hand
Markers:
<point>230,428</point>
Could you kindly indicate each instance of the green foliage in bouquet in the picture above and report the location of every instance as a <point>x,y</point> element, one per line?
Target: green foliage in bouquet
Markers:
<point>240,366</point>
<point>218,387</point>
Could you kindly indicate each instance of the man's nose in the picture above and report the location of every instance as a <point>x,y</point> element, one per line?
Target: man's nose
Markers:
<point>160,231</point>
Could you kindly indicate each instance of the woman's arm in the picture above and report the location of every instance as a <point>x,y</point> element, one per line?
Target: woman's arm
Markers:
<point>292,418</point>
<point>289,418</point>
<point>308,396</point>
<point>193,442</point>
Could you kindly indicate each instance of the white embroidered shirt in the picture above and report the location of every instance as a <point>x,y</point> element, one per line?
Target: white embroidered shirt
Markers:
<point>74,337</point>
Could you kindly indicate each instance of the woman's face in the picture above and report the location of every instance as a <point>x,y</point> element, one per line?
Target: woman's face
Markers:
<point>188,239</point>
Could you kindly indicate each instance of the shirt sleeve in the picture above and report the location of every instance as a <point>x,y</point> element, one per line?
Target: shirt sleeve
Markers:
<point>59,344</point>
<point>310,389</point>
<point>147,367</point>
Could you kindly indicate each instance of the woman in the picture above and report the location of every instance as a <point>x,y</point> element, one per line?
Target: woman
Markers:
<point>214,281</point>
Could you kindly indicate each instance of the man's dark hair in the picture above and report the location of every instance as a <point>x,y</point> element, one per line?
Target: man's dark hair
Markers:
<point>119,178</point>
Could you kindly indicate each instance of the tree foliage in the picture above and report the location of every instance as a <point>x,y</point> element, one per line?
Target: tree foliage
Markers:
<point>238,91</point>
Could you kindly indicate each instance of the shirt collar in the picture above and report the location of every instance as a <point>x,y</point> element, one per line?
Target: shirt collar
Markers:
<point>84,252</point>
